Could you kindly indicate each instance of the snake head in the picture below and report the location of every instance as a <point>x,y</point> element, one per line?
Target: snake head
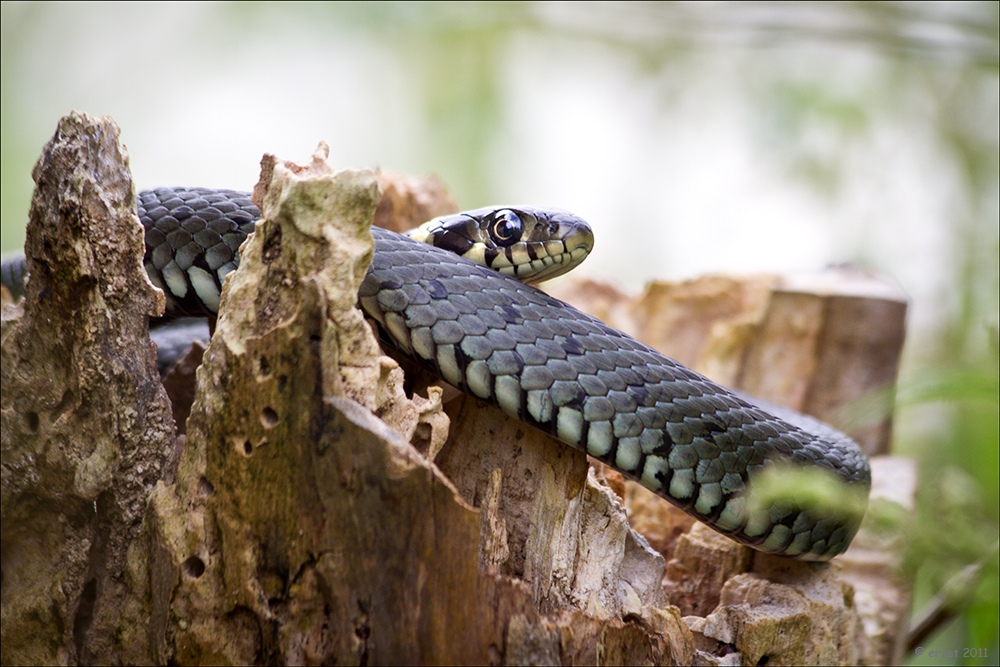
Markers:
<point>527,243</point>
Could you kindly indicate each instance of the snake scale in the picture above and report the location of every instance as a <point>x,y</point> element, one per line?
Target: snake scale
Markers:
<point>696,444</point>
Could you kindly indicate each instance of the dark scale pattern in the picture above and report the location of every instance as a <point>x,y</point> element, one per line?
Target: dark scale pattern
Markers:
<point>192,241</point>
<point>546,363</point>
<point>679,434</point>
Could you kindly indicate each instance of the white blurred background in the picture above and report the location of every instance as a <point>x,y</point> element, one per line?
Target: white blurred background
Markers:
<point>695,138</point>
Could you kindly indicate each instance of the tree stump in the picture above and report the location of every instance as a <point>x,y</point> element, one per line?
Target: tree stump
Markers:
<point>325,507</point>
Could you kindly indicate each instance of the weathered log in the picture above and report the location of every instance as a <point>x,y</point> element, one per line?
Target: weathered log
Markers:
<point>320,508</point>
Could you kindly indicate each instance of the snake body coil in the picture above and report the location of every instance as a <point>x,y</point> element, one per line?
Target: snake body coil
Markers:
<point>696,444</point>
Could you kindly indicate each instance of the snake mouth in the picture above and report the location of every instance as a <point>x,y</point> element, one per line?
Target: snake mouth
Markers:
<point>553,258</point>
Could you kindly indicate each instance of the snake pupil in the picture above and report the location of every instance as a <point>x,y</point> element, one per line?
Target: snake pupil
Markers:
<point>506,228</point>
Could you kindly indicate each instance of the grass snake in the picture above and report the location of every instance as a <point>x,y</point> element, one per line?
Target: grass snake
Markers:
<point>700,446</point>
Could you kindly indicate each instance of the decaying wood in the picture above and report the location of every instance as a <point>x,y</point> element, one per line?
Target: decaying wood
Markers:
<point>87,428</point>
<point>323,507</point>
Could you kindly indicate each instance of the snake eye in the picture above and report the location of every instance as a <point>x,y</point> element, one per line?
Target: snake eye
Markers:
<point>506,228</point>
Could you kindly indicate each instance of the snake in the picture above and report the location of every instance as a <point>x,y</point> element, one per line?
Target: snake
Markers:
<point>456,295</point>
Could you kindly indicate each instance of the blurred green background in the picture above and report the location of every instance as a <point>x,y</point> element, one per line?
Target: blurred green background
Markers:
<point>728,137</point>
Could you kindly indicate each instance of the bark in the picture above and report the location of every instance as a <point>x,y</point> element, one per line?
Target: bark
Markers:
<point>323,506</point>
<point>87,428</point>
